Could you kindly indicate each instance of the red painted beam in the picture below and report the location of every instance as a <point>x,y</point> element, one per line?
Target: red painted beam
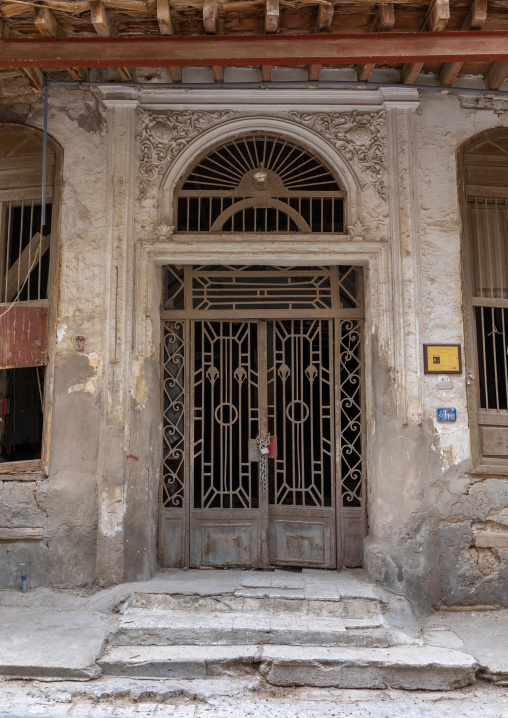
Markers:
<point>204,50</point>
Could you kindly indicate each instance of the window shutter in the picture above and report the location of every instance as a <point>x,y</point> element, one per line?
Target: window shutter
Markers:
<point>23,336</point>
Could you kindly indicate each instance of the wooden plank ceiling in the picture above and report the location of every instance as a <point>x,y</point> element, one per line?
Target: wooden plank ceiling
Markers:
<point>461,51</point>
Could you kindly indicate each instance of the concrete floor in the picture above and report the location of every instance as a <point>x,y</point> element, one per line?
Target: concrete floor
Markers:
<point>483,700</point>
<point>66,630</point>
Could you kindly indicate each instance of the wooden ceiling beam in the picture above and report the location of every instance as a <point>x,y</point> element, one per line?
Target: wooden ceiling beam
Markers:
<point>475,20</point>
<point>324,17</point>
<point>314,72</point>
<point>166,28</point>
<point>384,22</point>
<point>48,26</point>
<point>323,24</point>
<point>164,18</point>
<point>496,75</point>
<point>5,30</point>
<point>33,75</point>
<point>101,20</point>
<point>210,16</point>
<point>272,12</point>
<point>46,23</point>
<point>105,28</point>
<point>285,50</point>
<point>436,20</point>
<point>477,16</point>
<point>218,73</point>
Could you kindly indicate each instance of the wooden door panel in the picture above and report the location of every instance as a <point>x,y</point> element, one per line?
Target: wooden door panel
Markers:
<point>494,441</point>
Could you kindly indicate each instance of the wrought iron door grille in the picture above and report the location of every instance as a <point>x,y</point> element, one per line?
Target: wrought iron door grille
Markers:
<point>249,351</point>
<point>300,406</point>
<point>226,414</point>
<point>260,183</point>
<point>350,392</point>
<point>173,408</point>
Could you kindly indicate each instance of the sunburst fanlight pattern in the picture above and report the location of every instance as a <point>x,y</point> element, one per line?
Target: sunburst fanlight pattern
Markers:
<point>260,183</point>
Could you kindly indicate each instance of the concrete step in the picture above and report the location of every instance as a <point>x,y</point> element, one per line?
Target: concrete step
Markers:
<point>261,600</point>
<point>410,667</point>
<point>144,627</point>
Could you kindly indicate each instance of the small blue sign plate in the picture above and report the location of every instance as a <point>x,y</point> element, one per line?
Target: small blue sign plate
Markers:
<point>447,414</point>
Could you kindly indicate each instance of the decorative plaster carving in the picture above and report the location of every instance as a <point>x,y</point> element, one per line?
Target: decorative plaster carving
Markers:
<point>356,135</point>
<point>162,233</point>
<point>164,135</point>
<point>356,231</point>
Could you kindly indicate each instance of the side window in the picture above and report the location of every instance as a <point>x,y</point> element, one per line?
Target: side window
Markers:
<point>25,265</point>
<point>486,284</point>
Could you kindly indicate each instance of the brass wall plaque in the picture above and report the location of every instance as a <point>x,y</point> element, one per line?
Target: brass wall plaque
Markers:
<point>442,359</point>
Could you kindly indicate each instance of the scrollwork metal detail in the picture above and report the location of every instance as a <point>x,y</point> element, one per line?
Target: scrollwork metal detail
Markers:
<point>350,368</point>
<point>173,415</point>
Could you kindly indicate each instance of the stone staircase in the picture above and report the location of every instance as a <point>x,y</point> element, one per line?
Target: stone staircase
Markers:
<point>309,628</point>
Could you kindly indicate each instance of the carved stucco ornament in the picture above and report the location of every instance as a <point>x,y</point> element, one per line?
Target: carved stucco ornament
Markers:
<point>356,231</point>
<point>164,135</point>
<point>357,135</point>
<point>162,233</point>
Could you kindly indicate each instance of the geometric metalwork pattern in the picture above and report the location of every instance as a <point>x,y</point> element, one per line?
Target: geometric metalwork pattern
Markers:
<point>260,183</point>
<point>350,401</point>
<point>226,414</point>
<point>248,289</point>
<point>300,409</point>
<point>250,351</point>
<point>263,287</point>
<point>173,414</point>
<point>349,287</point>
<point>173,287</point>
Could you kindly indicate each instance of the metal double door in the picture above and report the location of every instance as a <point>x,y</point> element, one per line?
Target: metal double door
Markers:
<point>262,442</point>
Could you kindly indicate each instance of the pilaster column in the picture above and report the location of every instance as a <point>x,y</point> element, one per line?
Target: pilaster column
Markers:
<point>118,333</point>
<point>404,234</point>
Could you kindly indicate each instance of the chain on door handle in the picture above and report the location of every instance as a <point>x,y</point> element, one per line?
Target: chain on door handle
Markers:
<point>263,461</point>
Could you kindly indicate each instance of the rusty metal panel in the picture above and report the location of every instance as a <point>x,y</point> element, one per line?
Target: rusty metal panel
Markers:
<point>23,336</point>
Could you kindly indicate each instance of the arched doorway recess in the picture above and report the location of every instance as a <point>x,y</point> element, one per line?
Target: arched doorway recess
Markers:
<point>262,396</point>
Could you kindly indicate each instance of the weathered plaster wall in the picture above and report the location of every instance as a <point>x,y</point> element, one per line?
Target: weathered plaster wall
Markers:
<point>426,507</point>
<point>65,504</point>
<point>98,506</point>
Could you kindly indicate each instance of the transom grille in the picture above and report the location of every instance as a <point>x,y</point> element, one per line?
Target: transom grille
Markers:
<point>260,184</point>
<point>262,288</point>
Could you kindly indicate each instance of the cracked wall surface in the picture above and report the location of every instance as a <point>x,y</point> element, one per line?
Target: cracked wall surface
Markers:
<point>427,510</point>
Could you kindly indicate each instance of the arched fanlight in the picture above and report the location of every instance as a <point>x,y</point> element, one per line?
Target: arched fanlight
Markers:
<point>260,183</point>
